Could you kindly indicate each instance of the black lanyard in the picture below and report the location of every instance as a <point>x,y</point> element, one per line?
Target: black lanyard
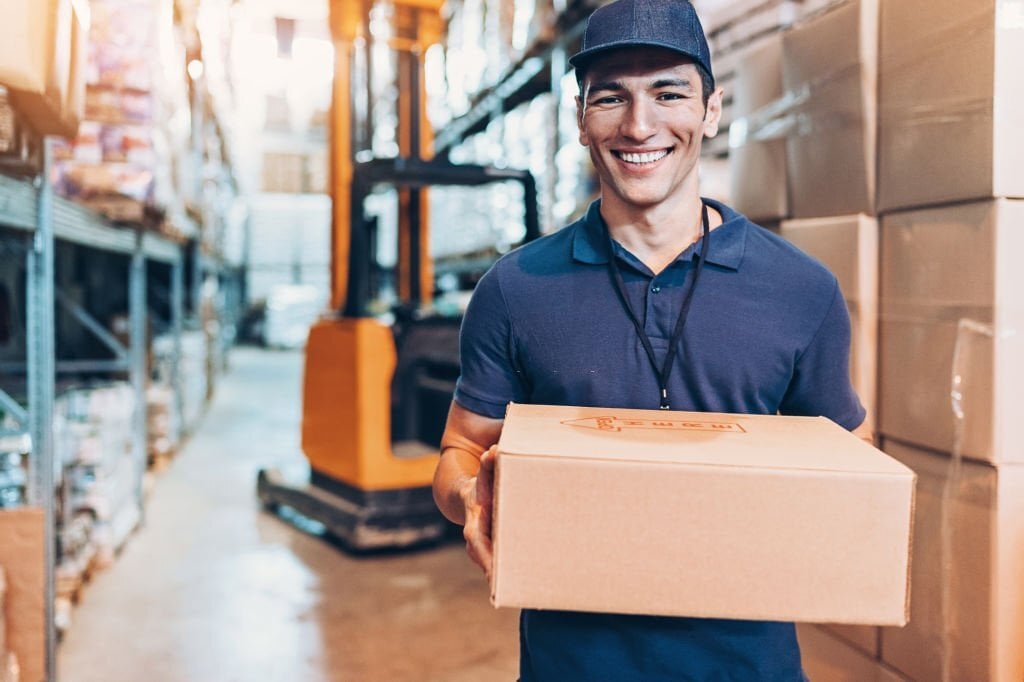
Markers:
<point>677,335</point>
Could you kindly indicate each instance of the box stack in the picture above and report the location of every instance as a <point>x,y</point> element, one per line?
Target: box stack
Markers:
<point>803,153</point>
<point>22,597</point>
<point>161,424</point>
<point>827,121</point>
<point>4,673</point>
<point>42,50</point>
<point>111,164</point>
<point>9,671</point>
<point>191,376</point>
<point>130,157</point>
<point>951,352</point>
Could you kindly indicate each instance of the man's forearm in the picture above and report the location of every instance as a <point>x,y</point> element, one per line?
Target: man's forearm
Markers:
<point>455,472</point>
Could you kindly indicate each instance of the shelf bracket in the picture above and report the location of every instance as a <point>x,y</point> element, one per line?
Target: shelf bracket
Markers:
<point>90,323</point>
<point>13,408</point>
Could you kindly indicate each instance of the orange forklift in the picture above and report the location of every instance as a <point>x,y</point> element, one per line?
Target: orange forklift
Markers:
<point>376,388</point>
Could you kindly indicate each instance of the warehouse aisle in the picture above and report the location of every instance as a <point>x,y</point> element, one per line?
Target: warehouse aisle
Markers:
<point>212,589</point>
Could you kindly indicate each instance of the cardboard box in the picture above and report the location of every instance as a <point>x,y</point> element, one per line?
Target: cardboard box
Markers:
<point>829,68</point>
<point>40,47</point>
<point>698,514</point>
<point>848,246</point>
<point>937,144</point>
<point>757,149</point>
<point>22,542</point>
<point>975,582</point>
<point>828,659</point>
<point>950,274</point>
<point>3,612</point>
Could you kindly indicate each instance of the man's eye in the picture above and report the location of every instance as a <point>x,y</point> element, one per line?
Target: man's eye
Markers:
<point>670,96</point>
<point>607,100</point>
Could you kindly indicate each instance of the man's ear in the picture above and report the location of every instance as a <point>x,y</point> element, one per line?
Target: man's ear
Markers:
<point>580,107</point>
<point>713,113</point>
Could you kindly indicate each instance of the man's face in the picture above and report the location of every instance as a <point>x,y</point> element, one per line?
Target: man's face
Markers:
<point>642,116</point>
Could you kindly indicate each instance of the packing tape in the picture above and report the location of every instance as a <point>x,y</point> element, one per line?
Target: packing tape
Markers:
<point>947,112</point>
<point>926,312</point>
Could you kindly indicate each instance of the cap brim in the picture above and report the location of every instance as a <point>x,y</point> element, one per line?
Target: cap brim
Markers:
<point>584,57</point>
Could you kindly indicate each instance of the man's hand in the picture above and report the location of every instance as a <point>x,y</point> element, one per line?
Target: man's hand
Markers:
<point>464,480</point>
<point>478,497</point>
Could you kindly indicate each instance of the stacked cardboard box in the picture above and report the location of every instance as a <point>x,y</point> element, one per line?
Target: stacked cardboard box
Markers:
<point>22,538</point>
<point>848,246</point>
<point>950,344</point>
<point>803,139</point>
<point>757,143</point>
<point>42,51</point>
<point>967,599</point>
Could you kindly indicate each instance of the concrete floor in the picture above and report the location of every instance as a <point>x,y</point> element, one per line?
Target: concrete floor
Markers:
<point>211,588</point>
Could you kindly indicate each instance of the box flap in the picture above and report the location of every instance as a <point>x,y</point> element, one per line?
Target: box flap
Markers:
<point>693,438</point>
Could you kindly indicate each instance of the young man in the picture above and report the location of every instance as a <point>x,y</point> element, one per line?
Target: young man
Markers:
<point>656,298</point>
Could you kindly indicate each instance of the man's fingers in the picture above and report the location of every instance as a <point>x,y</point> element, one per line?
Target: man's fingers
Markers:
<point>485,479</point>
<point>478,545</point>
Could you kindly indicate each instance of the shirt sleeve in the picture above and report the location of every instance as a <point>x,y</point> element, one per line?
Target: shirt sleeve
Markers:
<point>821,382</point>
<point>489,378</point>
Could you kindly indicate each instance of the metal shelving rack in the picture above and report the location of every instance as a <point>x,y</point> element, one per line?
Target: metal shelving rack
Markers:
<point>31,214</point>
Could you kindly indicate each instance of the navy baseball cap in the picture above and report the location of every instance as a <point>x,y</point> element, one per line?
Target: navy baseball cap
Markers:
<point>671,24</point>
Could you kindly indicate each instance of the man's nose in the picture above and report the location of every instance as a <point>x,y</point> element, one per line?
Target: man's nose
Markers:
<point>640,120</point>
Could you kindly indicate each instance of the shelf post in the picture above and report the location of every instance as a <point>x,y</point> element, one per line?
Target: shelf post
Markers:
<point>137,357</point>
<point>41,357</point>
<point>177,329</point>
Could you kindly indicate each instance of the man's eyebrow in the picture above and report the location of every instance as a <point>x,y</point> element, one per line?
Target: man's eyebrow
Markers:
<point>672,83</point>
<point>606,86</point>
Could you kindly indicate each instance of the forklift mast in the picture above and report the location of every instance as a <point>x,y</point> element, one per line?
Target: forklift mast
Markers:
<point>376,392</point>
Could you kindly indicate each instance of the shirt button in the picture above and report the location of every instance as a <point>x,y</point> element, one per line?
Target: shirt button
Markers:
<point>655,289</point>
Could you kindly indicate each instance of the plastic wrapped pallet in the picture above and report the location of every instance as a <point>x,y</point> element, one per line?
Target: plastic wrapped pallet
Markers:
<point>829,72</point>
<point>951,309</point>
<point>967,602</point>
<point>14,451</point>
<point>114,153</point>
<point>939,143</point>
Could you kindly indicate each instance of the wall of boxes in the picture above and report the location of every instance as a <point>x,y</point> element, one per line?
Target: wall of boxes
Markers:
<point>876,136</point>
<point>883,137</point>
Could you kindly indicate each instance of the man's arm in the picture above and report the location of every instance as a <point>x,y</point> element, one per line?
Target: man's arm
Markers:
<point>464,479</point>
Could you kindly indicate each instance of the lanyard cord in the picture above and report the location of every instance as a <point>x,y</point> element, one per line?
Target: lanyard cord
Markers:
<point>677,334</point>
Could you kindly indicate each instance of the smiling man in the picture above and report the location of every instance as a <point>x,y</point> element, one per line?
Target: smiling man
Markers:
<point>656,298</point>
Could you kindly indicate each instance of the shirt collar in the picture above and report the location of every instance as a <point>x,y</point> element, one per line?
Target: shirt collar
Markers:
<point>728,240</point>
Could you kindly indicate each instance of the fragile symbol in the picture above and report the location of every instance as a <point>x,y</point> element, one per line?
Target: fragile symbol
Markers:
<point>618,424</point>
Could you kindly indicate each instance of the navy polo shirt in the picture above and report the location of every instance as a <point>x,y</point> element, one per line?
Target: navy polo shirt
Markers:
<point>768,332</point>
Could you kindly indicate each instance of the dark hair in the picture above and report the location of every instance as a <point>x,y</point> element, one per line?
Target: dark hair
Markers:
<point>707,85</point>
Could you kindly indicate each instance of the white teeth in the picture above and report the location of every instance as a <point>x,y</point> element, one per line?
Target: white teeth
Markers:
<point>645,157</point>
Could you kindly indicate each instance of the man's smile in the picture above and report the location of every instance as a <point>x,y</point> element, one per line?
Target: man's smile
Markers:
<point>642,158</point>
